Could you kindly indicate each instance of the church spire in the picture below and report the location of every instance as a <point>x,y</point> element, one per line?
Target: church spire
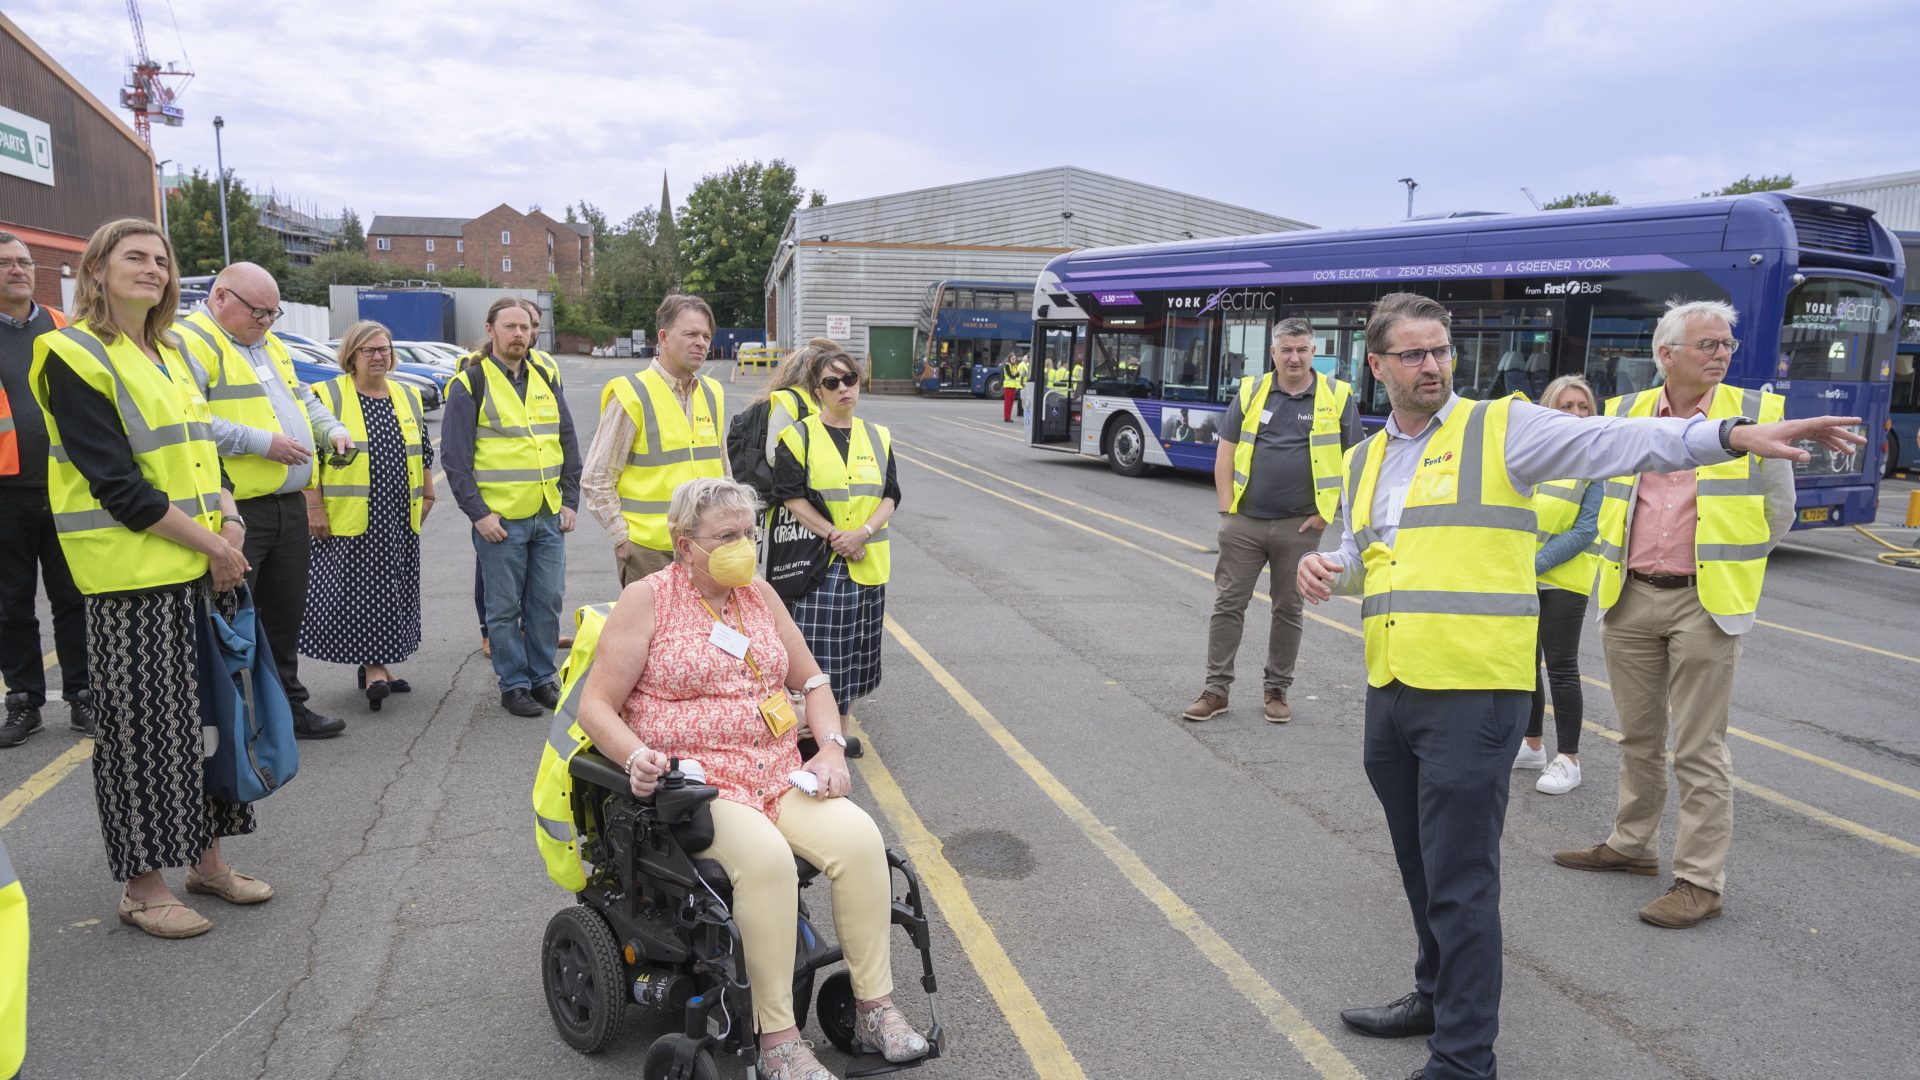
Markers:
<point>666,201</point>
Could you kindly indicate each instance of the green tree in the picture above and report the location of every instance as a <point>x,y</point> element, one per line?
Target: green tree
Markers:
<point>1747,185</point>
<point>309,284</point>
<point>353,235</point>
<point>1581,198</point>
<point>193,218</point>
<point>634,269</point>
<point>728,233</point>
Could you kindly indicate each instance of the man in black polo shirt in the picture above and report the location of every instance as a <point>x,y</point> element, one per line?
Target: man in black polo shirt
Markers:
<point>1276,472</point>
<point>27,540</point>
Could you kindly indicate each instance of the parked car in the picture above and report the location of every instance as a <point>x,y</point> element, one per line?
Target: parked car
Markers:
<point>312,364</point>
<point>449,354</point>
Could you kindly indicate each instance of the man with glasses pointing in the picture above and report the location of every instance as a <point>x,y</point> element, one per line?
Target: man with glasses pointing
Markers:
<point>266,425</point>
<point>1439,538</point>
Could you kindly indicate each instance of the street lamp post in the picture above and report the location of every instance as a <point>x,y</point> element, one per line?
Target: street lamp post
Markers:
<point>1407,180</point>
<point>160,178</point>
<point>219,162</point>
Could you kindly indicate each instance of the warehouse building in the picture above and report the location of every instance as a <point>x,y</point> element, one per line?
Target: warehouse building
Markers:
<point>863,271</point>
<point>1893,198</point>
<point>68,164</point>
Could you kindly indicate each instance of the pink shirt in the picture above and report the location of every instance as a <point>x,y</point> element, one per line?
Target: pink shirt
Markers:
<point>695,700</point>
<point>1664,516</point>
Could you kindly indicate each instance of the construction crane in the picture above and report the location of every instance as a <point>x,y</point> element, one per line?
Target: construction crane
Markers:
<point>151,90</point>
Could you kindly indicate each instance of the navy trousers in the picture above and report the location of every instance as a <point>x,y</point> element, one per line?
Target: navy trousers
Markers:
<point>1439,761</point>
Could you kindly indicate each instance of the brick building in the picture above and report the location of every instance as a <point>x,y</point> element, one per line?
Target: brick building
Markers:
<point>508,247</point>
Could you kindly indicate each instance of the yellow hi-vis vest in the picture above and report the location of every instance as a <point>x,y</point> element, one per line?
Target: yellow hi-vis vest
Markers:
<point>170,432</point>
<point>1014,376</point>
<point>1731,540</point>
<point>1556,506</point>
<point>553,824</point>
<point>517,455</point>
<point>13,968</point>
<point>1330,398</point>
<point>235,393</point>
<point>1451,604</point>
<point>851,488</point>
<point>345,491</point>
<point>666,451</point>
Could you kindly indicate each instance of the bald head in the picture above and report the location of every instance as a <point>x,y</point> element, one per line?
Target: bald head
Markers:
<point>238,292</point>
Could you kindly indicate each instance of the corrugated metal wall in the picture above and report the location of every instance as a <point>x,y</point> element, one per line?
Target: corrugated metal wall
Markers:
<point>884,287</point>
<point>1895,200</point>
<point>100,171</point>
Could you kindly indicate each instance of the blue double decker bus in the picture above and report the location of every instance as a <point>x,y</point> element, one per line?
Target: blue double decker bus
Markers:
<point>1160,335</point>
<point>965,332</point>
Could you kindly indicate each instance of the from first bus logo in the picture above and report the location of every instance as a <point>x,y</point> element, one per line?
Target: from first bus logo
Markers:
<point>1428,463</point>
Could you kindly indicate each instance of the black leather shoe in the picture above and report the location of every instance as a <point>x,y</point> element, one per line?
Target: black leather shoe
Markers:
<point>308,724</point>
<point>520,703</point>
<point>81,715</point>
<point>547,694</point>
<point>22,720</point>
<point>1407,1017</point>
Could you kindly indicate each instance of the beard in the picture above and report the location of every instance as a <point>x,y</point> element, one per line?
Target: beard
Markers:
<point>1417,398</point>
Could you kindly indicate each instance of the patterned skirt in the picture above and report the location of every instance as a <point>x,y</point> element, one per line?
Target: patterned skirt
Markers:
<point>148,655</point>
<point>841,620</point>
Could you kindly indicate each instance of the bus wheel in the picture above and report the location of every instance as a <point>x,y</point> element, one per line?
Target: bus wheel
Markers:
<point>1127,448</point>
<point>994,386</point>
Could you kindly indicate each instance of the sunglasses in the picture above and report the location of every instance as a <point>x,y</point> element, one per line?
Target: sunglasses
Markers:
<point>835,382</point>
<point>339,460</point>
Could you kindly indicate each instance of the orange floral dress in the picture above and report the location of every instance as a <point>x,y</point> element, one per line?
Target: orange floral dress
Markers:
<point>696,701</point>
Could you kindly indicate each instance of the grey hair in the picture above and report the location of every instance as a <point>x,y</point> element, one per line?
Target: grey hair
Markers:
<point>1292,328</point>
<point>1673,325</point>
<point>695,498</point>
<point>1550,397</point>
<point>1393,309</point>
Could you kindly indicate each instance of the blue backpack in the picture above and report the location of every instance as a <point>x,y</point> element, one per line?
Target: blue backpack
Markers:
<point>248,725</point>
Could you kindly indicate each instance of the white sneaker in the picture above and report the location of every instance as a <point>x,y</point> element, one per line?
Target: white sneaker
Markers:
<point>1561,777</point>
<point>1529,758</point>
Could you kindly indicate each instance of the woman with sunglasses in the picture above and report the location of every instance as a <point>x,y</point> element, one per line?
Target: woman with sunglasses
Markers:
<point>835,474</point>
<point>365,513</point>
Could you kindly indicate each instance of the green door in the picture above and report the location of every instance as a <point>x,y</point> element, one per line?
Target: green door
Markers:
<point>890,349</point>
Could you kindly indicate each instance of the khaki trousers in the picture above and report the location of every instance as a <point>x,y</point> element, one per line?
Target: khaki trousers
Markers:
<point>839,838</point>
<point>1246,546</point>
<point>641,561</point>
<point>1667,658</point>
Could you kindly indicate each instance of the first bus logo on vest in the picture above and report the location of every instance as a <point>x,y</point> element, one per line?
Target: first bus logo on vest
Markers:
<point>1428,463</point>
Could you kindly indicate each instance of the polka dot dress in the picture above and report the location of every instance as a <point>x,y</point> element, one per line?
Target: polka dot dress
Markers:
<point>363,592</point>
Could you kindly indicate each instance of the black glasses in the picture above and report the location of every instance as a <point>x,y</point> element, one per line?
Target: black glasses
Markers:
<point>1713,345</point>
<point>1413,358</point>
<point>835,382</point>
<point>266,314</point>
<point>340,460</point>
<point>375,352</point>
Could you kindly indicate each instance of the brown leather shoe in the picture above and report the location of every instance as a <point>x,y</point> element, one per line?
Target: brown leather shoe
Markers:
<point>1277,709</point>
<point>1685,905</point>
<point>1602,857</point>
<point>167,918</point>
<point>1209,706</point>
<point>233,886</point>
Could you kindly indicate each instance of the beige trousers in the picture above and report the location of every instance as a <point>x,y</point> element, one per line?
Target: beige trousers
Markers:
<point>1672,667</point>
<point>839,838</point>
<point>1247,546</point>
<point>641,561</point>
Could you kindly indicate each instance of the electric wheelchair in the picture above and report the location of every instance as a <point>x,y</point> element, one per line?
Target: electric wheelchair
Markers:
<point>653,927</point>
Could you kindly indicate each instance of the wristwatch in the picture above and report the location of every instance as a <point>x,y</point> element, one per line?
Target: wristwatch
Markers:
<point>233,519</point>
<point>814,683</point>
<point>1726,433</point>
<point>838,738</point>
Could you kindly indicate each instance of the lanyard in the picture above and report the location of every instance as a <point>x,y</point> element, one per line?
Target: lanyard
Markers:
<point>740,624</point>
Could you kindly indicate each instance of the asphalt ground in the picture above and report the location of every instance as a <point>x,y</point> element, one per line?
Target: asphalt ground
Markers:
<point>1118,893</point>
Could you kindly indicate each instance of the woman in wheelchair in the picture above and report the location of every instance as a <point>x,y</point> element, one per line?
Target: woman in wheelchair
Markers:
<point>694,663</point>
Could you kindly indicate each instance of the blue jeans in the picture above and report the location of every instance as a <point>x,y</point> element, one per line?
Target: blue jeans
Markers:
<point>526,579</point>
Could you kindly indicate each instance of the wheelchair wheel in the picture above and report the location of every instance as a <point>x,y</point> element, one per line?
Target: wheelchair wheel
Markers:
<point>658,1064</point>
<point>835,1010</point>
<point>586,983</point>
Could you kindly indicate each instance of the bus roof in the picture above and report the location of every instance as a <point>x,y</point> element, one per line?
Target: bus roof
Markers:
<point>971,283</point>
<point>1843,234</point>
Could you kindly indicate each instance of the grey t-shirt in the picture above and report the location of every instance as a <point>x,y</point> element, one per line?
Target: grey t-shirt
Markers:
<point>1281,483</point>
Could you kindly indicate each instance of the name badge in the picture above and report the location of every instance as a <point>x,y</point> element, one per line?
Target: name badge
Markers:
<point>730,641</point>
<point>1267,417</point>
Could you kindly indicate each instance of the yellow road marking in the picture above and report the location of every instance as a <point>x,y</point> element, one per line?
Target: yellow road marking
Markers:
<point>1876,650</point>
<point>1281,1014</point>
<point>1038,1037</point>
<point>1770,795</point>
<point>964,427</point>
<point>43,781</point>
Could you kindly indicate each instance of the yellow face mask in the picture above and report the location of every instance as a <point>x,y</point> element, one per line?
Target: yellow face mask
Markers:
<point>730,564</point>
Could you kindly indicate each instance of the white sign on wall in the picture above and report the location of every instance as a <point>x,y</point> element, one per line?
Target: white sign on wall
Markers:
<point>840,327</point>
<point>26,147</point>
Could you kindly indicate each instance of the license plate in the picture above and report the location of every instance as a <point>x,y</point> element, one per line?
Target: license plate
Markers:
<point>1816,513</point>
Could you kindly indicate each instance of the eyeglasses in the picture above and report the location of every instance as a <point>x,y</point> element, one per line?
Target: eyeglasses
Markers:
<point>1413,358</point>
<point>754,534</point>
<point>375,352</point>
<point>260,314</point>
<point>835,382</point>
<point>1713,345</point>
<point>16,264</point>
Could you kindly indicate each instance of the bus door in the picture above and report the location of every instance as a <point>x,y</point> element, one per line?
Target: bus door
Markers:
<point>1057,377</point>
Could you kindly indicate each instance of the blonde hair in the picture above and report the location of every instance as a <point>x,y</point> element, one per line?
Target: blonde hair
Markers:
<point>693,499</point>
<point>1550,397</point>
<point>358,335</point>
<point>91,304</point>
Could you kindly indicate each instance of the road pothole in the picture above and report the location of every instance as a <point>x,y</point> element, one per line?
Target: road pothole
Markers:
<point>989,853</point>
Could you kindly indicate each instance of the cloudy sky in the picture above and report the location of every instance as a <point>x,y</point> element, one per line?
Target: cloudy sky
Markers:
<point>1308,110</point>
